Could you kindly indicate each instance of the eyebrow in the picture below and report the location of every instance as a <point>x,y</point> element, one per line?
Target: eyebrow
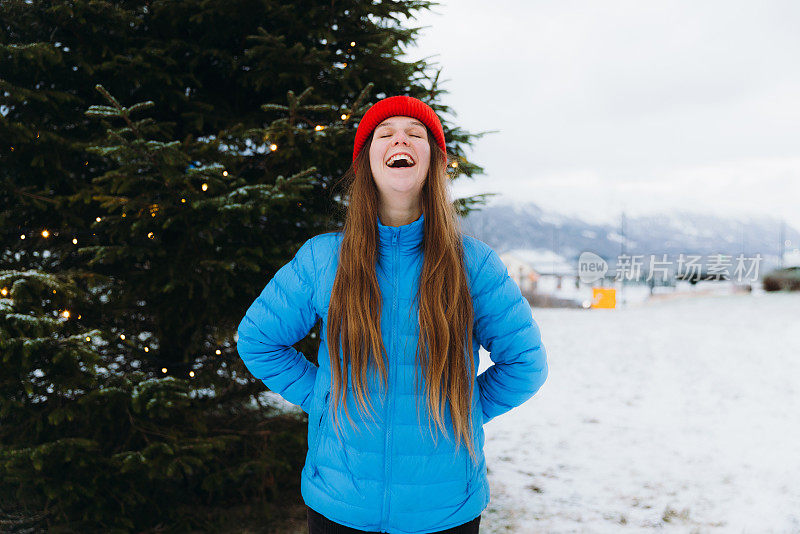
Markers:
<point>389,123</point>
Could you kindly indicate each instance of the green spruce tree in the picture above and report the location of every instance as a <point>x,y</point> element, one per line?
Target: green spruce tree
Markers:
<point>163,210</point>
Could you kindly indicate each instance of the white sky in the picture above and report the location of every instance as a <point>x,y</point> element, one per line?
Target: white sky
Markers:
<point>641,106</point>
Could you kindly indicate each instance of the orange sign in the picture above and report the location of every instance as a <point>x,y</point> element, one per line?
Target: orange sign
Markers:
<point>604,297</point>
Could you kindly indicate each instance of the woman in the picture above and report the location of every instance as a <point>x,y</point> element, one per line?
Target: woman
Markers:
<point>405,300</point>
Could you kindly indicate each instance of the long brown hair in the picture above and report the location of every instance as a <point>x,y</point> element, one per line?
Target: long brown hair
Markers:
<point>444,347</point>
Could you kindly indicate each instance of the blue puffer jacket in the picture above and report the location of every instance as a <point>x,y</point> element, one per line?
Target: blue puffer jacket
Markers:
<point>388,473</point>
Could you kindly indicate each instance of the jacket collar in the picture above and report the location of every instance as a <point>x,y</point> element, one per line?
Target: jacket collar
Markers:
<point>407,237</point>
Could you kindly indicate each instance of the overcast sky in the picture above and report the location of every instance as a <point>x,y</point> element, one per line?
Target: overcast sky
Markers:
<point>626,105</point>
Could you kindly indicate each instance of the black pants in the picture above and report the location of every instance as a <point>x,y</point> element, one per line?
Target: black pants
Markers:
<point>319,524</point>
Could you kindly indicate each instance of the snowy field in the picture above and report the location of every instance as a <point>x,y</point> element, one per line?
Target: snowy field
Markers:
<point>676,416</point>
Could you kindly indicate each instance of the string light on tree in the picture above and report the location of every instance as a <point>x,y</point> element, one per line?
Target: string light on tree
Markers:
<point>273,147</point>
<point>22,236</point>
<point>65,314</point>
<point>204,187</point>
<point>147,349</point>
<point>224,173</point>
<point>191,374</point>
<point>88,338</point>
<point>74,241</point>
<point>4,291</point>
<point>183,201</point>
<point>45,234</point>
<point>122,336</point>
<point>218,352</point>
<point>164,370</point>
<point>97,219</point>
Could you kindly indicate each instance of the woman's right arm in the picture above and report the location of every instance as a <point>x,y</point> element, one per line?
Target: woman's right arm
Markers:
<point>282,315</point>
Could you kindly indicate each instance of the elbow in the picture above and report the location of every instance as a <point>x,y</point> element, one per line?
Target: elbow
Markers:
<point>542,376</point>
<point>242,341</point>
<point>256,352</point>
<point>243,329</point>
<point>540,370</point>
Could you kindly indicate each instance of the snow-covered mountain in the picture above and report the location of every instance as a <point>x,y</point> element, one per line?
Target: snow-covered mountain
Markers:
<point>527,226</point>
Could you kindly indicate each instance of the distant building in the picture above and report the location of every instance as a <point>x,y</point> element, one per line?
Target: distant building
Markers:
<point>539,270</point>
<point>523,274</point>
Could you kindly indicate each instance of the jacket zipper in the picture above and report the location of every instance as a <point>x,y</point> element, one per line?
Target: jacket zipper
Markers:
<point>388,442</point>
<point>318,435</point>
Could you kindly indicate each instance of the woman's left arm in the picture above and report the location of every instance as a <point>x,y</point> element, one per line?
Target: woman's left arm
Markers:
<point>505,327</point>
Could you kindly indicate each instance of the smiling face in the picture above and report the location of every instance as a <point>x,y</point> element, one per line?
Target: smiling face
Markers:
<point>399,156</point>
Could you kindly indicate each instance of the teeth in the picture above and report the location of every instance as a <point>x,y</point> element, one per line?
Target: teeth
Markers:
<point>400,156</point>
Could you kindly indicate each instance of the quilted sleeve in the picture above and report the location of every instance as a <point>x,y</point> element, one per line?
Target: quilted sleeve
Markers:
<point>280,316</point>
<point>505,326</point>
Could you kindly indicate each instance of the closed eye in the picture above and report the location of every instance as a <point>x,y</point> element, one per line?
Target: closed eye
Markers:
<point>412,135</point>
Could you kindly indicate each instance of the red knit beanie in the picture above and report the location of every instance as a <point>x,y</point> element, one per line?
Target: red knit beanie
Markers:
<point>392,106</point>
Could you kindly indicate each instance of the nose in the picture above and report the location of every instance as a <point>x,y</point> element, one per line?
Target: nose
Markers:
<point>402,137</point>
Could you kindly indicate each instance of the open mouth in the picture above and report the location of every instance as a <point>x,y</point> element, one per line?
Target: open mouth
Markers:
<point>400,160</point>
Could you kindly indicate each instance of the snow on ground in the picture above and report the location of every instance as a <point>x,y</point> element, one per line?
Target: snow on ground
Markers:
<point>676,416</point>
